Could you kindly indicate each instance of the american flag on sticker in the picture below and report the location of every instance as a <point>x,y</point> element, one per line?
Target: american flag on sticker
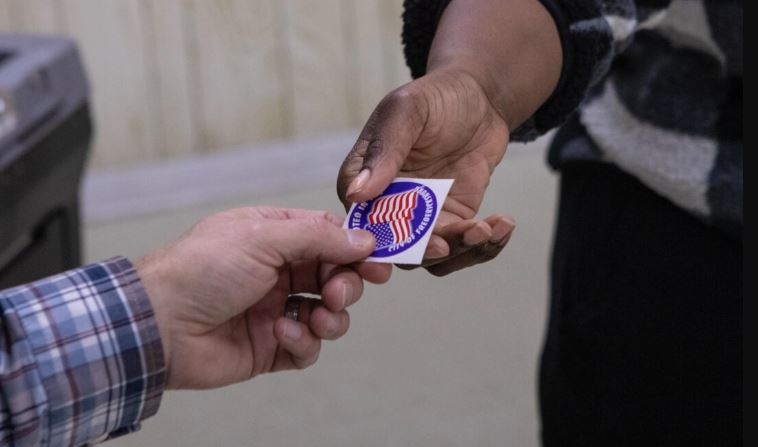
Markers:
<point>390,218</point>
<point>401,218</point>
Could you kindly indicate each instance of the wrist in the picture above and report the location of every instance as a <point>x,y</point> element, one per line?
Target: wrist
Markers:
<point>155,284</point>
<point>511,47</point>
<point>473,72</point>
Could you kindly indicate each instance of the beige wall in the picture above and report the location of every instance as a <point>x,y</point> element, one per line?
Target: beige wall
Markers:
<point>172,78</point>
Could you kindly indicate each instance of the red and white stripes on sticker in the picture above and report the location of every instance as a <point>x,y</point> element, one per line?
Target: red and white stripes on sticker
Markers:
<point>397,209</point>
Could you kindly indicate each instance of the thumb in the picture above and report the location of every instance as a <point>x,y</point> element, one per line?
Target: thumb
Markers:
<point>381,150</point>
<point>317,239</point>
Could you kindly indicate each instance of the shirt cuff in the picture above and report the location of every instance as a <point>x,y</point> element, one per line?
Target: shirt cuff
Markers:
<point>96,351</point>
<point>587,44</point>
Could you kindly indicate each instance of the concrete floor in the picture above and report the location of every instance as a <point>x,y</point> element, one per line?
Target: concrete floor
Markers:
<point>427,361</point>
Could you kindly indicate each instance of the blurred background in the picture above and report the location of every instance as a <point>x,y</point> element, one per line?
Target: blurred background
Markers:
<point>173,78</point>
<point>204,105</point>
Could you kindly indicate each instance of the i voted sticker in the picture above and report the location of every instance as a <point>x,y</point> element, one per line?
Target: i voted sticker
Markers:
<point>401,218</point>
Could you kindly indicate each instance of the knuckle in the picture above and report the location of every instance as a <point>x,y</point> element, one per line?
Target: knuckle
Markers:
<point>403,94</point>
<point>375,148</point>
<point>318,224</point>
<point>255,228</point>
<point>359,149</point>
<point>407,99</point>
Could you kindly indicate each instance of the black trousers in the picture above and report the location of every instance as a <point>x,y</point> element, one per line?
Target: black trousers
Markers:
<point>644,341</point>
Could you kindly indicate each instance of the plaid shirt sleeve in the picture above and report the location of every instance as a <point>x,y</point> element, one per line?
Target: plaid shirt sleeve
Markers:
<point>81,359</point>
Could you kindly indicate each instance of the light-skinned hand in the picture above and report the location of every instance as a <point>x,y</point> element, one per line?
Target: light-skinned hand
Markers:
<point>219,292</point>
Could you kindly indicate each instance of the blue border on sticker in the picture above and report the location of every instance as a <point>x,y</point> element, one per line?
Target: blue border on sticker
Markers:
<point>397,225</point>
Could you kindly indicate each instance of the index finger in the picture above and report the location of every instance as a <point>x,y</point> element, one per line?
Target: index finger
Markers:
<point>292,213</point>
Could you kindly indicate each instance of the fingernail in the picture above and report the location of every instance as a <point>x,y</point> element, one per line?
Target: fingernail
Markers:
<point>331,327</point>
<point>292,331</point>
<point>359,182</point>
<point>502,229</point>
<point>359,238</point>
<point>347,293</point>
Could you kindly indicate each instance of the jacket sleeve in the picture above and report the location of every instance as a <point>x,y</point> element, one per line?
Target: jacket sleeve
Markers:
<point>80,357</point>
<point>592,33</point>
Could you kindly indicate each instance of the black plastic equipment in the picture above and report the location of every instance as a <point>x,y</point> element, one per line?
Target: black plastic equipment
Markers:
<point>45,133</point>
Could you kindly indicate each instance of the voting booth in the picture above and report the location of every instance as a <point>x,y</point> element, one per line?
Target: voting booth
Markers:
<point>45,133</point>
